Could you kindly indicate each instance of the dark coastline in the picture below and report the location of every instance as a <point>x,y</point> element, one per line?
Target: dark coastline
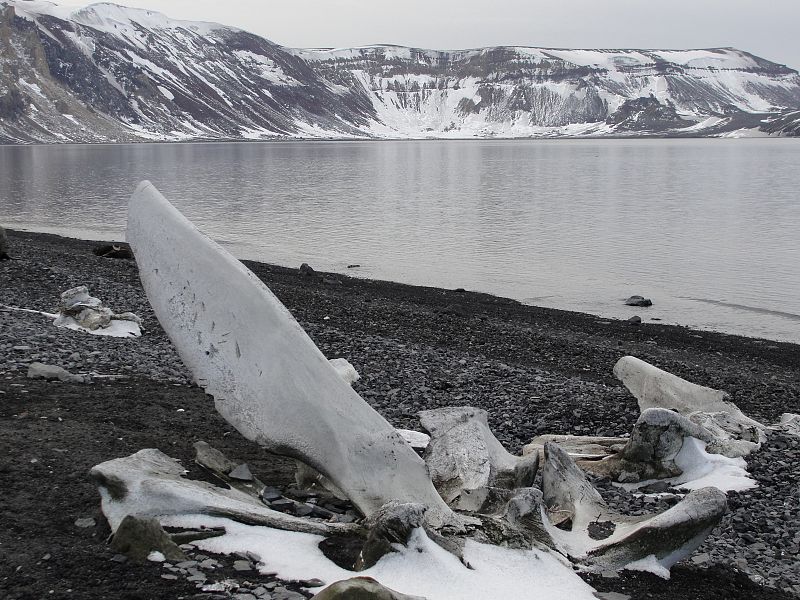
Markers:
<point>535,370</point>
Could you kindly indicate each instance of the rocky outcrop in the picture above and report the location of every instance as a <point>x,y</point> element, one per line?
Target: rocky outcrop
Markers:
<point>786,124</point>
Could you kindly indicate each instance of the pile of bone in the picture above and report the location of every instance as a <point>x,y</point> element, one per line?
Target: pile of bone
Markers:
<point>80,311</point>
<point>466,519</point>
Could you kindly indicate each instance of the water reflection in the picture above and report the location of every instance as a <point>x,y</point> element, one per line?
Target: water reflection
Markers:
<point>577,224</point>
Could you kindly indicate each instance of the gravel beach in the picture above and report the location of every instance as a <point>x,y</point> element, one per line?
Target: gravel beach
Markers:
<point>534,370</point>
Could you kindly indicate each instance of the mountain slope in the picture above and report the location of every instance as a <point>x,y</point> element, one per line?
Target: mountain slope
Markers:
<point>786,124</point>
<point>108,73</point>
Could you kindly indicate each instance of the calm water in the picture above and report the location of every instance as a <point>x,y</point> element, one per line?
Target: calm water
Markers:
<point>709,229</point>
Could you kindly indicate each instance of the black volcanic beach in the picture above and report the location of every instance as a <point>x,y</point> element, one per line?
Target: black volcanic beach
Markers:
<point>534,370</point>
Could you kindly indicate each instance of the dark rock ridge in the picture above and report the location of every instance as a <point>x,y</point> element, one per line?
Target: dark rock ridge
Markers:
<point>785,124</point>
<point>106,73</point>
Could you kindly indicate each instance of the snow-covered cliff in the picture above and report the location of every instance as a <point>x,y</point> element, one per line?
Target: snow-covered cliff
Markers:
<point>108,73</point>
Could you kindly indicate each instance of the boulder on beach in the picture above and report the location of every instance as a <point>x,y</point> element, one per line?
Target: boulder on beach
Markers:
<point>638,301</point>
<point>307,271</point>
<point>3,244</point>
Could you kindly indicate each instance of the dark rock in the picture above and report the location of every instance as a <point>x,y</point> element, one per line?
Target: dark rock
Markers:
<point>353,266</point>
<point>137,538</point>
<point>635,320</point>
<point>390,525</point>
<point>3,245</point>
<point>307,271</point>
<point>600,530</point>
<point>638,301</point>
<point>342,551</point>
<point>114,251</point>
<point>282,504</point>
<point>359,588</point>
<point>656,488</point>
<point>270,494</point>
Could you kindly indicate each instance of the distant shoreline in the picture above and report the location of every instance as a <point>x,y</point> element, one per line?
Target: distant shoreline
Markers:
<point>561,138</point>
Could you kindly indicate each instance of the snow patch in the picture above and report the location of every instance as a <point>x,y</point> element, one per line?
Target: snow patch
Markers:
<point>422,568</point>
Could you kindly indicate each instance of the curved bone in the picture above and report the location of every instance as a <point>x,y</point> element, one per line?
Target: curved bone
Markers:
<point>464,456</point>
<point>668,536</point>
<point>267,377</point>
<point>151,484</point>
<point>654,388</point>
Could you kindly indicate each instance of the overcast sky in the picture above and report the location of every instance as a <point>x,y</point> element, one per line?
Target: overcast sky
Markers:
<point>767,28</point>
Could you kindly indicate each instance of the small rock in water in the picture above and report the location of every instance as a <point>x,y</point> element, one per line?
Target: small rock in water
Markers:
<point>353,266</point>
<point>638,301</point>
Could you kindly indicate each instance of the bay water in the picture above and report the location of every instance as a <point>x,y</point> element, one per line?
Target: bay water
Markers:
<point>709,229</point>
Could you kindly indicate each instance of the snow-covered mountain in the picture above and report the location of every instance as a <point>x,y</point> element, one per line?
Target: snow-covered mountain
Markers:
<point>109,73</point>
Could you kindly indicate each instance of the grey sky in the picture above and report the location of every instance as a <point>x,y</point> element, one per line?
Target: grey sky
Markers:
<point>767,28</point>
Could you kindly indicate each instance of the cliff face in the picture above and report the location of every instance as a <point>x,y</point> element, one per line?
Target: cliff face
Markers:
<point>786,124</point>
<point>108,73</point>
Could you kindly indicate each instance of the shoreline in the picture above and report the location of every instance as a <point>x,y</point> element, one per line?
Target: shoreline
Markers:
<point>720,136</point>
<point>535,370</point>
<point>460,294</point>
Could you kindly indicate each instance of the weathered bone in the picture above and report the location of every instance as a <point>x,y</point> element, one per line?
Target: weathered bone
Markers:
<point>736,433</point>
<point>464,457</point>
<point>151,484</point>
<point>656,440</point>
<point>267,377</point>
<point>789,423</point>
<point>579,447</point>
<point>579,508</point>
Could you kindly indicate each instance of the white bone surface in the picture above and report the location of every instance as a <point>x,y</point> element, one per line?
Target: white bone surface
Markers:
<point>267,377</point>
